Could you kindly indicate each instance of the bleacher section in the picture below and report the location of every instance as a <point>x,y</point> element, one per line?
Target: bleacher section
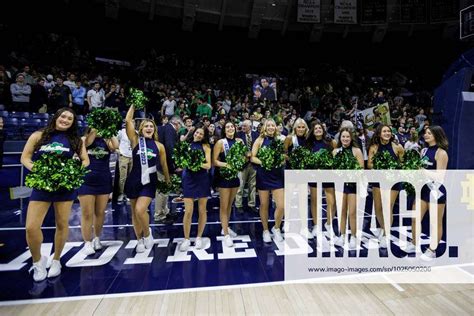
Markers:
<point>20,125</point>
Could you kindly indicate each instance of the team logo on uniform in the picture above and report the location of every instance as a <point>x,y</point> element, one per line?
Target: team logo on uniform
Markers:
<point>98,152</point>
<point>149,154</point>
<point>55,147</point>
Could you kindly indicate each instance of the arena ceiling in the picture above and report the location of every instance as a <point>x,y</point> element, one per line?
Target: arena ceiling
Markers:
<point>281,15</point>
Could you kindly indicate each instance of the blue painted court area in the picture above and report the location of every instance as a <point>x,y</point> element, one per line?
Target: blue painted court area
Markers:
<point>119,269</point>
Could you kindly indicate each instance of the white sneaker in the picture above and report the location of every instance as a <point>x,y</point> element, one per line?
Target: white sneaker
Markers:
<point>378,233</point>
<point>198,244</point>
<point>353,243</point>
<point>277,234</point>
<point>430,254</point>
<point>266,236</point>
<point>340,240</point>
<point>140,246</point>
<point>411,248</point>
<point>96,243</point>
<point>306,234</point>
<point>39,269</point>
<point>315,230</point>
<point>231,232</point>
<point>55,269</point>
<point>148,241</point>
<point>88,249</point>
<point>383,242</point>
<point>228,241</point>
<point>184,245</point>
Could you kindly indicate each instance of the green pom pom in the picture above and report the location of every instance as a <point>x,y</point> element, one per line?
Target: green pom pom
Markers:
<point>235,160</point>
<point>345,160</point>
<point>107,122</point>
<point>185,157</point>
<point>382,160</point>
<point>174,186</point>
<point>413,161</point>
<point>53,172</point>
<point>301,158</point>
<point>272,156</point>
<point>137,98</point>
<point>322,159</point>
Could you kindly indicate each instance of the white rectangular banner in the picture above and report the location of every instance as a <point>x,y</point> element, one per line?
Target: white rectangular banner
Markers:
<point>309,11</point>
<point>423,232</point>
<point>345,11</point>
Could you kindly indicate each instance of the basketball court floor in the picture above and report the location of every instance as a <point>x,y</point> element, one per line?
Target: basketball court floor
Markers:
<point>246,279</point>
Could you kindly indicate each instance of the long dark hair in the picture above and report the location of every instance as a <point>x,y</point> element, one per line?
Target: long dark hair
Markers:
<point>72,132</point>
<point>439,136</point>
<point>311,139</point>
<point>349,130</point>
<point>205,138</point>
<point>377,138</point>
<point>223,130</point>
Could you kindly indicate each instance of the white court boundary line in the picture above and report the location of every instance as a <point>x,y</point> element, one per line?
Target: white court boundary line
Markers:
<point>225,287</point>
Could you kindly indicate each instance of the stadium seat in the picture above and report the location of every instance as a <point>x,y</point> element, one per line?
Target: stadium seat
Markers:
<point>12,128</point>
<point>29,126</point>
<point>40,115</point>
<point>20,114</point>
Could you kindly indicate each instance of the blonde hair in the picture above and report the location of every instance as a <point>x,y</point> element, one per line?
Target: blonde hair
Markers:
<point>297,122</point>
<point>142,125</point>
<point>263,132</point>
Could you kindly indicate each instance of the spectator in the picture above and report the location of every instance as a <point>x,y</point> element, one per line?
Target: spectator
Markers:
<point>71,81</point>
<point>168,107</point>
<point>20,94</point>
<point>60,96</point>
<point>39,97</point>
<point>95,97</point>
<point>112,98</point>
<point>78,98</point>
<point>203,109</point>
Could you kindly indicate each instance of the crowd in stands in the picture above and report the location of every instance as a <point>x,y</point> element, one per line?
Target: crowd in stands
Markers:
<point>65,75</point>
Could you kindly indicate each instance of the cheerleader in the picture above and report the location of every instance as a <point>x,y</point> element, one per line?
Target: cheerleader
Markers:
<point>269,182</point>
<point>196,185</point>
<point>295,139</point>
<point>94,193</point>
<point>347,143</point>
<point>60,135</point>
<point>227,188</point>
<point>319,140</point>
<point>384,140</point>
<point>140,187</point>
<point>437,159</point>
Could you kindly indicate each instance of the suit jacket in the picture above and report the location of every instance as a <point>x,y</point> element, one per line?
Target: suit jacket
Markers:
<point>242,136</point>
<point>168,136</point>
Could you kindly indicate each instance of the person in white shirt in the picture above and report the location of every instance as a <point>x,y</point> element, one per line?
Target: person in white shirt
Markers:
<point>95,97</point>
<point>70,82</point>
<point>168,107</point>
<point>125,160</point>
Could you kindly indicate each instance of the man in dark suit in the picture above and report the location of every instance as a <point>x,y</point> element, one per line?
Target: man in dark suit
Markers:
<point>248,175</point>
<point>168,136</point>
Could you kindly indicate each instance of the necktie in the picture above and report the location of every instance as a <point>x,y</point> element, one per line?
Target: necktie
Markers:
<point>249,141</point>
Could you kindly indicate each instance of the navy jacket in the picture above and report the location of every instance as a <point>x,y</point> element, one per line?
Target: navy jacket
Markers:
<point>168,136</point>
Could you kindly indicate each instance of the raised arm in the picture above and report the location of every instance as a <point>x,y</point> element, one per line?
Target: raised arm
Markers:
<point>90,137</point>
<point>130,127</point>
